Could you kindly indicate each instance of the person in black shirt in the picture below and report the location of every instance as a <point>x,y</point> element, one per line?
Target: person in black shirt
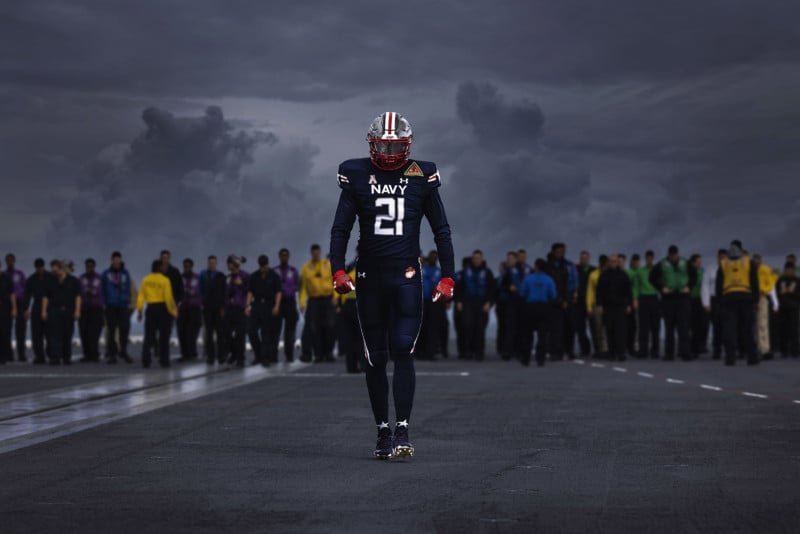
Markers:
<point>35,288</point>
<point>788,289</point>
<point>61,307</point>
<point>615,298</point>
<point>174,275</point>
<point>263,306</point>
<point>212,289</point>
<point>8,313</point>
<point>559,270</point>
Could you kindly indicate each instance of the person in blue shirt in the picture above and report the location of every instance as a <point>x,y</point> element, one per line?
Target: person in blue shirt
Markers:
<point>116,282</point>
<point>538,291</point>
<point>513,329</point>
<point>475,296</point>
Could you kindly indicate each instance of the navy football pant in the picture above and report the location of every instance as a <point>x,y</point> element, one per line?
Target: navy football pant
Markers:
<point>389,301</point>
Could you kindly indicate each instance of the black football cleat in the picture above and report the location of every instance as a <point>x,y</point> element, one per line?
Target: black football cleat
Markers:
<point>402,447</point>
<point>384,449</point>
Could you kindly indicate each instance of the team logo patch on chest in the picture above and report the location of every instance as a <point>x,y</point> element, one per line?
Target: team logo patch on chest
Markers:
<point>413,170</point>
<point>410,272</point>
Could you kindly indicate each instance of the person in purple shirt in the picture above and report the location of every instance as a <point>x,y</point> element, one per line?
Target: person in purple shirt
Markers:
<point>190,317</point>
<point>18,285</point>
<point>287,315</point>
<point>90,324</point>
<point>234,321</point>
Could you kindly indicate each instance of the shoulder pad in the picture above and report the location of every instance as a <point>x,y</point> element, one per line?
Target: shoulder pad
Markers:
<point>350,170</point>
<point>430,173</point>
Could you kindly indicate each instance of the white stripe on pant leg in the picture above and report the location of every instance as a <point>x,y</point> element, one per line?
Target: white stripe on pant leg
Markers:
<point>421,306</point>
<point>358,316</point>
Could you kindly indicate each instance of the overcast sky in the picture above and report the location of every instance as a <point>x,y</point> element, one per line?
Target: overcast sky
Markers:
<point>216,126</point>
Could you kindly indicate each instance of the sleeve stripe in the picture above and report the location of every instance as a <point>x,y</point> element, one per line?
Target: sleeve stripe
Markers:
<point>343,179</point>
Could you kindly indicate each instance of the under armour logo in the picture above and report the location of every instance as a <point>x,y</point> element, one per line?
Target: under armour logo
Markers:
<point>403,180</point>
<point>362,275</point>
<point>372,180</point>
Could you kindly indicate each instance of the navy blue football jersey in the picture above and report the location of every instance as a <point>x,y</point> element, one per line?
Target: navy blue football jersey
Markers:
<point>389,206</point>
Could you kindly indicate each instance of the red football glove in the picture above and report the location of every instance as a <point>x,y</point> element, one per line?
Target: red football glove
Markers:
<point>444,289</point>
<point>342,283</point>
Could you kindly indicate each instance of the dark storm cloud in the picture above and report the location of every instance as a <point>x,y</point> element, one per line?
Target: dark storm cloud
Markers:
<point>185,183</point>
<point>321,50</point>
<point>504,190</point>
<point>177,146</point>
<point>492,119</point>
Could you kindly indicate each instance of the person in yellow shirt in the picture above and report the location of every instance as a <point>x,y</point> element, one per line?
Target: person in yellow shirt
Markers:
<point>317,302</point>
<point>156,292</point>
<point>737,282</point>
<point>767,302</point>
<point>595,315</point>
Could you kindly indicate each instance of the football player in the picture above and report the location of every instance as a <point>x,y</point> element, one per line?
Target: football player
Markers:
<point>390,194</point>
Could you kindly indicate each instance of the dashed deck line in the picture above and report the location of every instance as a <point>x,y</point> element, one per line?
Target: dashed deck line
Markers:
<point>678,381</point>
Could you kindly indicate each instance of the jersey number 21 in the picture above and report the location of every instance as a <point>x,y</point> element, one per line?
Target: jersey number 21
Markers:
<point>395,214</point>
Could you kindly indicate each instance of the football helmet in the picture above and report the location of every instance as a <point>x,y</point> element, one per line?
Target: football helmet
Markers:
<point>389,139</point>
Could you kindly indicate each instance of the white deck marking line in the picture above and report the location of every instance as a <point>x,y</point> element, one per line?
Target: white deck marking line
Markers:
<point>677,381</point>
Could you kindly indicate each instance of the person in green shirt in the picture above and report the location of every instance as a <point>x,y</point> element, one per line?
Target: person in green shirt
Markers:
<point>699,321</point>
<point>648,308</point>
<point>673,277</point>
<point>632,340</point>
